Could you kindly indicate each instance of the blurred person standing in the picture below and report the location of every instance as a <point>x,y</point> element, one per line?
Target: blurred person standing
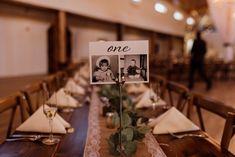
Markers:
<point>197,62</point>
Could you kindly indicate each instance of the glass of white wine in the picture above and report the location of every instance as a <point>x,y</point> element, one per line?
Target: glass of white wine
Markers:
<point>50,111</point>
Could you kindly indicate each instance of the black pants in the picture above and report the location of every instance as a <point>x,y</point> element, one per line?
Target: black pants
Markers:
<point>198,66</point>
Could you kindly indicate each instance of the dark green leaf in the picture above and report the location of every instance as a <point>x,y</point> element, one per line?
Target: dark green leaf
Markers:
<point>143,130</point>
<point>128,132</point>
<point>126,120</point>
<point>115,119</point>
<point>138,135</point>
<point>130,148</point>
<point>113,142</point>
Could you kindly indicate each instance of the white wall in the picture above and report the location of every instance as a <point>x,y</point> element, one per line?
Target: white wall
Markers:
<point>23,41</point>
<point>85,31</point>
<point>142,15</point>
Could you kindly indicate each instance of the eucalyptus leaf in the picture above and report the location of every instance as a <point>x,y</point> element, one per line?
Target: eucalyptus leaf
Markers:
<point>113,144</point>
<point>128,132</point>
<point>126,120</point>
<point>115,119</point>
<point>130,148</point>
<point>138,135</point>
<point>143,130</point>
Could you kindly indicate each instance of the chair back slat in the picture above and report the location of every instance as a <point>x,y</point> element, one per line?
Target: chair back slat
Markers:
<point>52,83</point>
<point>178,96</point>
<point>34,96</point>
<point>211,105</point>
<point>229,130</point>
<point>160,82</point>
<point>11,109</point>
<point>61,79</point>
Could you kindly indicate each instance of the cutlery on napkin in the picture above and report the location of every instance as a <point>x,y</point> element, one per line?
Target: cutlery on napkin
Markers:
<point>74,88</point>
<point>63,100</point>
<point>172,121</point>
<point>145,100</point>
<point>38,122</point>
<point>81,81</point>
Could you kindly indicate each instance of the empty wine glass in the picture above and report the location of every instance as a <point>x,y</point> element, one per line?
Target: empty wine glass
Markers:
<point>50,109</point>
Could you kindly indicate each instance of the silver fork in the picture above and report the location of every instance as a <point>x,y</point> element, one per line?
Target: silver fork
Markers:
<point>31,138</point>
<point>187,135</point>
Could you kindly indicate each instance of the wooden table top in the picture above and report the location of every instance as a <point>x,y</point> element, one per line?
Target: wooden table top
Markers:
<point>72,145</point>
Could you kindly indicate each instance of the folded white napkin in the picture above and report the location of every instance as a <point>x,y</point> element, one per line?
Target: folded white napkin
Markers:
<point>81,81</point>
<point>137,88</point>
<point>63,99</point>
<point>38,122</point>
<point>72,87</point>
<point>172,121</point>
<point>145,101</point>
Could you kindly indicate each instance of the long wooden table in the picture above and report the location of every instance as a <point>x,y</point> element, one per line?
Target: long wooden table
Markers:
<point>72,145</point>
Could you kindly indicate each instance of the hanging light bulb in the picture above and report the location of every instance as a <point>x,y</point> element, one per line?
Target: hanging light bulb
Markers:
<point>136,1</point>
<point>190,21</point>
<point>178,16</point>
<point>161,8</point>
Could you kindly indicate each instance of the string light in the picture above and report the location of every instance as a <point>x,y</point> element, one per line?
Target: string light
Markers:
<point>161,8</point>
<point>190,21</point>
<point>178,16</point>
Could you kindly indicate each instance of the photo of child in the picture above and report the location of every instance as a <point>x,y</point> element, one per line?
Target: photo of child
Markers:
<point>102,71</point>
<point>133,71</point>
<point>134,68</point>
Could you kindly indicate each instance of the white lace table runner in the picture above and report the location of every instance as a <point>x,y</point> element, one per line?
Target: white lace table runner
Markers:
<point>93,132</point>
<point>92,146</point>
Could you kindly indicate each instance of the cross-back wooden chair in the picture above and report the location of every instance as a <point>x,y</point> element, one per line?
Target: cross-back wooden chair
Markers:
<point>13,110</point>
<point>177,95</point>
<point>61,78</point>
<point>229,130</point>
<point>52,83</point>
<point>209,104</point>
<point>158,83</point>
<point>218,108</point>
<point>35,96</point>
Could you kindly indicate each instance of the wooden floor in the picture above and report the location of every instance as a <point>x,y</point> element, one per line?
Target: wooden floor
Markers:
<point>222,90</point>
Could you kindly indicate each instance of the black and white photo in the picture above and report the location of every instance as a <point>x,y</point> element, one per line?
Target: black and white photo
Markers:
<point>104,68</point>
<point>111,60</point>
<point>134,67</point>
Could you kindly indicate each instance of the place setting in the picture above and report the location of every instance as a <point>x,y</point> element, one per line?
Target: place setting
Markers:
<point>44,125</point>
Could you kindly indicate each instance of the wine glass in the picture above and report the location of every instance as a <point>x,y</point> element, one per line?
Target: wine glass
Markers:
<point>50,109</point>
<point>155,97</point>
<point>68,94</point>
<point>152,96</point>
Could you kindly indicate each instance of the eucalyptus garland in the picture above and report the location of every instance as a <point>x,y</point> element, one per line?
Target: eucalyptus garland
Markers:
<point>132,129</point>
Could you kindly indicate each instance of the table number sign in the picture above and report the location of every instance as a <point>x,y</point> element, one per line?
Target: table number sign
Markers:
<point>127,58</point>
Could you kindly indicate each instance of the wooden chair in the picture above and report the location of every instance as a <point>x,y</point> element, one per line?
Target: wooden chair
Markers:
<point>13,110</point>
<point>177,95</point>
<point>35,96</point>
<point>61,78</point>
<point>52,83</point>
<point>158,81</point>
<point>229,130</point>
<point>211,105</point>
